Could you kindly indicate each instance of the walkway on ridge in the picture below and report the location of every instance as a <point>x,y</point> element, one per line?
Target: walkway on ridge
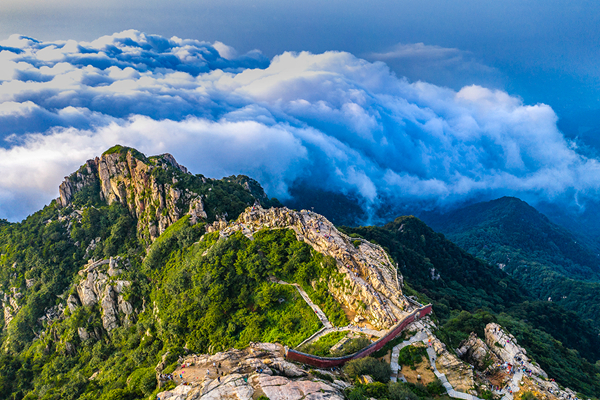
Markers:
<point>422,336</point>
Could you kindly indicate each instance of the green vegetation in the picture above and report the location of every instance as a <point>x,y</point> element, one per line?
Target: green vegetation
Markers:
<point>190,291</point>
<point>528,396</point>
<point>352,346</point>
<point>549,260</point>
<point>322,376</point>
<point>123,150</point>
<point>465,282</point>
<point>392,343</point>
<point>227,197</point>
<point>208,295</point>
<point>193,291</point>
<point>397,391</point>
<point>377,369</point>
<point>322,346</point>
<point>565,365</point>
<point>411,355</point>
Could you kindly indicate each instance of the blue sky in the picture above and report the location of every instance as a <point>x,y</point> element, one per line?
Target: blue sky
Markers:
<point>435,101</point>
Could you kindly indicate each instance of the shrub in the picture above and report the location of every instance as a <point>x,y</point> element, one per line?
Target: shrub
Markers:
<point>411,355</point>
<point>379,370</point>
<point>352,346</point>
<point>320,375</point>
<point>436,387</point>
<point>143,380</point>
<point>399,391</point>
<point>528,396</point>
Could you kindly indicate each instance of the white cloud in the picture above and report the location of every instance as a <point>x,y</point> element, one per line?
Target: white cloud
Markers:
<point>344,123</point>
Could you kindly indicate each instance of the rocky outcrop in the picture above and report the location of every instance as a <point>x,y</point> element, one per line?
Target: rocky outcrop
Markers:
<point>370,284</point>
<point>476,352</point>
<point>147,187</point>
<point>457,373</point>
<point>10,304</point>
<point>86,176</point>
<point>505,366</point>
<point>247,374</point>
<point>506,348</point>
<point>100,286</point>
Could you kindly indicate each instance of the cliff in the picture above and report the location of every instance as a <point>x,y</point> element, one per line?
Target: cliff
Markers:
<point>145,186</point>
<point>258,370</point>
<point>157,190</point>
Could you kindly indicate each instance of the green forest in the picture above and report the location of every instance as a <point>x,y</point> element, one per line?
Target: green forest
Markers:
<point>209,294</point>
<point>550,261</point>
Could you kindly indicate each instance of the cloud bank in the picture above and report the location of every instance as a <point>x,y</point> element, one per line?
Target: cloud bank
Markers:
<point>337,121</point>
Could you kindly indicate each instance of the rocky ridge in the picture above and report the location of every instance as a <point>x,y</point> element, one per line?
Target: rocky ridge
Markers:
<point>458,374</point>
<point>506,366</point>
<point>476,352</point>
<point>372,287</point>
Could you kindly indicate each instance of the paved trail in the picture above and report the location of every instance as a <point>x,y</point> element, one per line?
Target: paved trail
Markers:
<point>320,314</point>
<point>422,336</point>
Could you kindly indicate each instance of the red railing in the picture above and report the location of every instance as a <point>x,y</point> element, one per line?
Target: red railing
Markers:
<point>328,362</point>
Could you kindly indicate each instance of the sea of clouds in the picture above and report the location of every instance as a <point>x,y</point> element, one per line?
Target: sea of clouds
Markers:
<point>338,121</point>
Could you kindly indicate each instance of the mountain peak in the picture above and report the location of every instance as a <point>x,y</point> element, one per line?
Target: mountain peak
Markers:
<point>509,222</point>
<point>157,190</point>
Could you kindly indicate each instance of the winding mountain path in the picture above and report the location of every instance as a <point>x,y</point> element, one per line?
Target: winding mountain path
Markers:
<point>320,314</point>
<point>422,336</point>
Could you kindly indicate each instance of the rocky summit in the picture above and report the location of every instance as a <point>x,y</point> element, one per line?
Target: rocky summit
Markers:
<point>145,281</point>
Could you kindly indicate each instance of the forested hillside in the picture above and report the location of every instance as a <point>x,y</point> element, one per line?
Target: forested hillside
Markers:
<point>147,300</point>
<point>553,263</point>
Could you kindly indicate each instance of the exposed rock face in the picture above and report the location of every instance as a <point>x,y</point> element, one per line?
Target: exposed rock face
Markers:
<point>372,285</point>
<point>83,333</point>
<point>476,352</point>
<point>10,304</point>
<point>72,302</point>
<point>459,374</point>
<point>505,346</point>
<point>86,176</point>
<point>126,179</point>
<point>98,287</point>
<point>246,374</point>
<point>525,374</point>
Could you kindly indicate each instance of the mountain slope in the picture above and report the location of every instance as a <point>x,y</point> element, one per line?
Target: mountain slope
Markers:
<point>549,260</point>
<point>157,191</point>
<point>468,293</point>
<point>485,229</point>
<point>136,264</point>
